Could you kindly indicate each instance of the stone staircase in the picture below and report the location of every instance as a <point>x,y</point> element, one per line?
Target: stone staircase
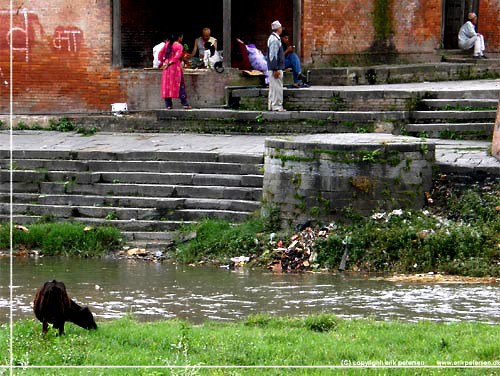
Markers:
<point>454,68</point>
<point>454,118</point>
<point>145,195</point>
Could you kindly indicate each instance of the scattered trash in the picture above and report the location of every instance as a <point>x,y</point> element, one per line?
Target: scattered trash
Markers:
<point>137,252</point>
<point>345,256</point>
<point>299,255</point>
<point>429,199</point>
<point>240,261</point>
<point>88,228</point>
<point>22,228</point>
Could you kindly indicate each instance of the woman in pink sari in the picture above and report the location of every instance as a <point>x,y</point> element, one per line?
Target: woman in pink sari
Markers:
<point>172,83</point>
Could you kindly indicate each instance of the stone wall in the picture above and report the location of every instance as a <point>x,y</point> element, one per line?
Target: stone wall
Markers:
<point>324,177</point>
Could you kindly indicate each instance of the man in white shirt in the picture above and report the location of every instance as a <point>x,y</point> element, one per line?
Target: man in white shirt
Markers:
<point>156,52</point>
<point>468,37</point>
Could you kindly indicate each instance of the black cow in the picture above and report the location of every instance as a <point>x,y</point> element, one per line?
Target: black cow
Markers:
<point>53,305</point>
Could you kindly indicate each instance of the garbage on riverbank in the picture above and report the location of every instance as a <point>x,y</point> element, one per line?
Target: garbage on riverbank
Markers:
<point>299,254</point>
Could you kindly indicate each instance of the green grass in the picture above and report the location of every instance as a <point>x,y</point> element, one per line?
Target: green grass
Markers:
<point>258,340</point>
<point>218,239</point>
<point>63,239</point>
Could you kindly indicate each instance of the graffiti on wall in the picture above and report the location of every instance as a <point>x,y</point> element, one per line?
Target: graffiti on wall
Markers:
<point>25,30</point>
<point>67,39</point>
<point>25,24</point>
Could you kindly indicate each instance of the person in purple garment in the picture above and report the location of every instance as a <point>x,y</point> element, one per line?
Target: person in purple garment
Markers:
<point>257,59</point>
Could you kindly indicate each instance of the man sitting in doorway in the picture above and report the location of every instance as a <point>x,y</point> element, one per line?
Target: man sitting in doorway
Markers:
<point>198,53</point>
<point>156,52</point>
<point>468,37</point>
<point>292,60</point>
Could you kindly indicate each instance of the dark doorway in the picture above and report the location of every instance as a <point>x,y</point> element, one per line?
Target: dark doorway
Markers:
<point>144,24</point>
<point>455,15</point>
<point>251,21</point>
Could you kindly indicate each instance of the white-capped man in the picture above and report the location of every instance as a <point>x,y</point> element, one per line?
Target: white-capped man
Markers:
<point>468,37</point>
<point>276,66</point>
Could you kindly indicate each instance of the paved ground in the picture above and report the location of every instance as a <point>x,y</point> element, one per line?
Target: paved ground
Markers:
<point>460,154</point>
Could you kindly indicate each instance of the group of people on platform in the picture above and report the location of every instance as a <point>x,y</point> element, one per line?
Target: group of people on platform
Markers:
<point>171,55</point>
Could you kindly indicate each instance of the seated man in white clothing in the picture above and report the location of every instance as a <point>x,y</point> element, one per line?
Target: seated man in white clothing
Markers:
<point>156,52</point>
<point>468,37</point>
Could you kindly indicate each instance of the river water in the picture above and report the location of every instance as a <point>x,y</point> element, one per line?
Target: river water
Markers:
<point>113,288</point>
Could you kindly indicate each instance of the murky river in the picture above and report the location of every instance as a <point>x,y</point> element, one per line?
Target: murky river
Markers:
<point>113,288</point>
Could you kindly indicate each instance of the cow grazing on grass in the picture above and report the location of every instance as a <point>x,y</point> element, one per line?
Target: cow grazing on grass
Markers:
<point>53,305</point>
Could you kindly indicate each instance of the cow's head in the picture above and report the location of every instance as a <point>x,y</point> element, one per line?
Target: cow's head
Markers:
<point>84,318</point>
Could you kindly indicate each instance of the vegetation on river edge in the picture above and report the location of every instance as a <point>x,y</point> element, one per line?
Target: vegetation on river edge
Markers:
<point>259,340</point>
<point>62,238</point>
<point>459,234</point>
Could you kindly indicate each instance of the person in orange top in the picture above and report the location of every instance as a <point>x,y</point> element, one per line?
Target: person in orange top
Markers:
<point>172,83</point>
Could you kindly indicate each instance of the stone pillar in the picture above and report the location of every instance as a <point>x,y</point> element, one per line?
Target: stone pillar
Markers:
<point>324,177</point>
<point>297,26</point>
<point>227,32</point>
<point>117,34</point>
<point>495,149</point>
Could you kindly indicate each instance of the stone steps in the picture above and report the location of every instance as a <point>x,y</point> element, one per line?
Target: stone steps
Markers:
<point>490,62</point>
<point>141,214</point>
<point>159,203</point>
<point>147,190</point>
<point>446,116</point>
<point>124,225</point>
<point>142,194</point>
<point>134,166</point>
<point>470,104</point>
<point>386,74</point>
<point>133,177</point>
<point>168,156</point>
<point>451,130</point>
<point>161,236</point>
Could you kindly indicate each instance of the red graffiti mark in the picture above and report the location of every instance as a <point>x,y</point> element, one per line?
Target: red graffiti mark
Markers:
<point>22,32</point>
<point>67,39</point>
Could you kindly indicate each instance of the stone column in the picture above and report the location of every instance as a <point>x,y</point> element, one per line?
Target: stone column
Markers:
<point>297,26</point>
<point>495,149</point>
<point>116,59</point>
<point>227,32</point>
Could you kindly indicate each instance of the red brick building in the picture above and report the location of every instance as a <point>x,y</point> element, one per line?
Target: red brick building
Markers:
<point>85,55</point>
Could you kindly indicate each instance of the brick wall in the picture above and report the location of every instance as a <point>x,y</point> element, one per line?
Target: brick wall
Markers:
<point>62,48</point>
<point>489,23</point>
<point>338,27</point>
<point>62,56</point>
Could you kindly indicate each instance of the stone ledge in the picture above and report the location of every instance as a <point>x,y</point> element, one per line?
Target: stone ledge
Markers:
<point>347,141</point>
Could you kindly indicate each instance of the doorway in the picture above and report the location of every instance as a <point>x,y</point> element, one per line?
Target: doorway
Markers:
<point>455,14</point>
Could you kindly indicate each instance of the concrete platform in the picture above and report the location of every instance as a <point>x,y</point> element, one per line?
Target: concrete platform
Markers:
<point>471,156</point>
